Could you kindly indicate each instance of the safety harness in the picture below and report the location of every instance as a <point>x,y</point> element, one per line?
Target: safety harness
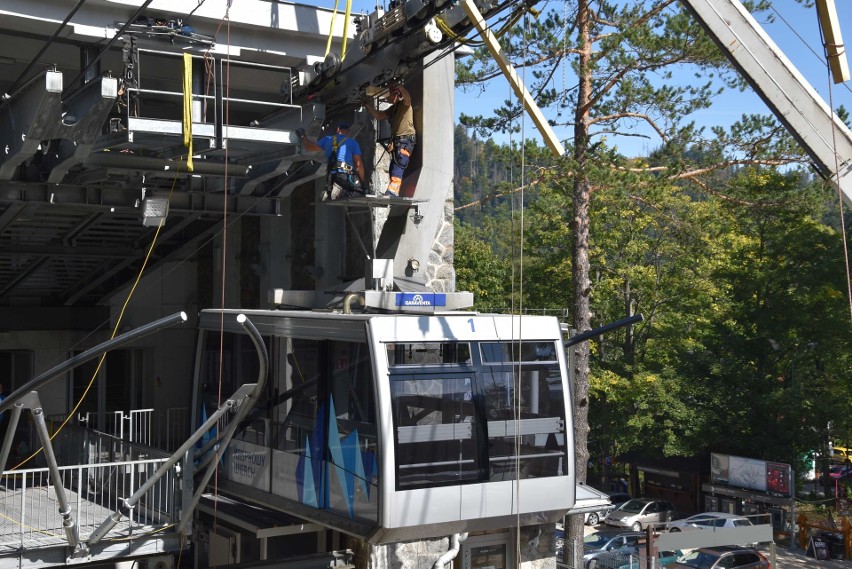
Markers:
<point>340,172</point>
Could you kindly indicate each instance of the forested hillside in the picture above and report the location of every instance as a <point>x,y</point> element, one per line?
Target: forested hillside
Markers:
<point>745,344</point>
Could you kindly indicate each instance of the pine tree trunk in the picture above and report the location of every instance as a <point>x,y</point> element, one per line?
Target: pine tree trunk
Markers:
<point>580,267</point>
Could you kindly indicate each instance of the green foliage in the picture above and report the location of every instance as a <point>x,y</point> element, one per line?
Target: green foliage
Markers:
<point>480,270</point>
<point>720,278</point>
<point>733,256</point>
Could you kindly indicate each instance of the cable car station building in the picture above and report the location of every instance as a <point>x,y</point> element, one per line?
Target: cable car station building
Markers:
<point>219,367</point>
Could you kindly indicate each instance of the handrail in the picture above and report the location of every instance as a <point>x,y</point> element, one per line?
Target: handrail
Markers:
<point>243,400</point>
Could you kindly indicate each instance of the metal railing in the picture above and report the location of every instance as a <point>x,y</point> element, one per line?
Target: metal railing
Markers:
<point>149,427</point>
<point>209,106</point>
<point>616,559</point>
<point>30,516</point>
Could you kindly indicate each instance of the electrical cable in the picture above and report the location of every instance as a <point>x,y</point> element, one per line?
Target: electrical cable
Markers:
<point>114,332</point>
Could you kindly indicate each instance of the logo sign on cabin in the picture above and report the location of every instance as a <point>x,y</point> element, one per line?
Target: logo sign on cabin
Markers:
<point>420,299</point>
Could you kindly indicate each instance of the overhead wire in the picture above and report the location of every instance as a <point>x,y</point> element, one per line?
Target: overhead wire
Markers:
<point>188,16</point>
<point>516,315</point>
<point>119,320</point>
<point>130,293</point>
<point>109,43</point>
<point>450,45</point>
<point>805,42</point>
<point>224,257</point>
<point>837,176</point>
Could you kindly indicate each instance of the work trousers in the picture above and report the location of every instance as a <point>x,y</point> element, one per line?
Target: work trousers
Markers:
<point>401,149</point>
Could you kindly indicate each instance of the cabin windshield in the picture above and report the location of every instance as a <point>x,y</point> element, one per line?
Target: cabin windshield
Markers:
<point>461,394</point>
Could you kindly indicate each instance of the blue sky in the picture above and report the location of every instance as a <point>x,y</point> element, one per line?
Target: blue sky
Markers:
<point>795,30</point>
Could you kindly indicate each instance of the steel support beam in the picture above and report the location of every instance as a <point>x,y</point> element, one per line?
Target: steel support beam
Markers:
<point>835,51</point>
<point>777,81</point>
<point>90,108</point>
<point>120,200</point>
<point>550,138</point>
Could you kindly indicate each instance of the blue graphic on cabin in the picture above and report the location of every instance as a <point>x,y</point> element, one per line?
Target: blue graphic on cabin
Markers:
<point>332,477</point>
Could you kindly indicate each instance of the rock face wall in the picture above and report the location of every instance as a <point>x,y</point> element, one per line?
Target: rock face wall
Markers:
<point>440,273</point>
<point>411,555</point>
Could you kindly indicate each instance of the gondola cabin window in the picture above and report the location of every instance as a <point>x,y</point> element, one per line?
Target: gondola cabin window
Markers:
<point>472,412</point>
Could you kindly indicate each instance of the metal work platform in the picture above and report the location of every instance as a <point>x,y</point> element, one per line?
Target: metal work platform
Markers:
<point>374,201</point>
<point>32,530</point>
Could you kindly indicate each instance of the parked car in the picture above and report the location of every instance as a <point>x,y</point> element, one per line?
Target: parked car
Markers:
<point>627,557</point>
<point>594,518</point>
<point>718,557</point>
<point>639,513</point>
<point>841,455</point>
<point>615,500</point>
<point>600,543</point>
<point>708,520</point>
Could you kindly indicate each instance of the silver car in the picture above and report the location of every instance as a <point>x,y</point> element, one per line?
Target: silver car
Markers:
<point>708,520</point>
<point>639,513</point>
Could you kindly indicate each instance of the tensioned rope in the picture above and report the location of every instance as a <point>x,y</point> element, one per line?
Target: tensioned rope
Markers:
<point>226,122</point>
<point>516,315</point>
<point>837,174</point>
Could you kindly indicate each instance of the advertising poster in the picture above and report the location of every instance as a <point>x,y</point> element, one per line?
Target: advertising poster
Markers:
<point>778,478</point>
<point>747,473</point>
<point>719,468</point>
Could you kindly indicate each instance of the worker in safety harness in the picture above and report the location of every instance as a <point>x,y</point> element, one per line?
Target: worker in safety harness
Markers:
<point>401,118</point>
<point>345,177</point>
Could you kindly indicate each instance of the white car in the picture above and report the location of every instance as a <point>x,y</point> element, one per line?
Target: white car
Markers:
<point>639,513</point>
<point>708,520</point>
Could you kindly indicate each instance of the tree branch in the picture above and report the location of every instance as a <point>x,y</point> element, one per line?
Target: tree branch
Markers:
<point>626,115</point>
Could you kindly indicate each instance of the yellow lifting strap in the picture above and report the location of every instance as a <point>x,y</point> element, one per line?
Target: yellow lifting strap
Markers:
<point>345,29</point>
<point>330,30</point>
<point>187,108</point>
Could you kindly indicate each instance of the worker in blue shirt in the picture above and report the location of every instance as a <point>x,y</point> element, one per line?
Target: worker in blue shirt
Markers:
<point>346,177</point>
